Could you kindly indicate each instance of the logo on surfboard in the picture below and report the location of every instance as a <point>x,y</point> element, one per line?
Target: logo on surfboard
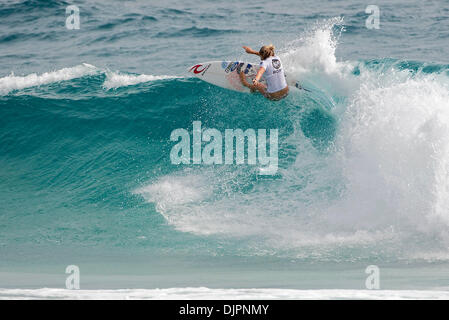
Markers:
<point>231,66</point>
<point>196,69</point>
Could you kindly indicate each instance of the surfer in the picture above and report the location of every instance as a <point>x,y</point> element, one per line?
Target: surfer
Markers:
<point>276,87</point>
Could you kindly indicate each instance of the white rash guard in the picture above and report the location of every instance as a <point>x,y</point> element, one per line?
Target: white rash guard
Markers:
<point>274,74</point>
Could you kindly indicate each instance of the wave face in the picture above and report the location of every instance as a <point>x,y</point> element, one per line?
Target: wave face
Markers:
<point>85,153</point>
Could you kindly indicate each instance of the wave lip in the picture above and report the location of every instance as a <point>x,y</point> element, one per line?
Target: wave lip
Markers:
<point>116,80</point>
<point>202,293</point>
<point>12,82</point>
<point>112,80</point>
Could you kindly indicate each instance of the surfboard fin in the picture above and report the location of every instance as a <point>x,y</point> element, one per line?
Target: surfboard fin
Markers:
<point>300,87</point>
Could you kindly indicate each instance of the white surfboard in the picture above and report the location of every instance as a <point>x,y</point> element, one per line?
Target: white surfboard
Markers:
<point>225,74</point>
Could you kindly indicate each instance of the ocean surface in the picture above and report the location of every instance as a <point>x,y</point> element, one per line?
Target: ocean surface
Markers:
<point>86,178</point>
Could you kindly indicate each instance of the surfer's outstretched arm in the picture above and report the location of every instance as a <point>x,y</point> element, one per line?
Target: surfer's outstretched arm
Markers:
<point>251,51</point>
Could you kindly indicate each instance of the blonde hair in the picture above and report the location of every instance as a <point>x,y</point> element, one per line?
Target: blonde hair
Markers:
<point>266,51</point>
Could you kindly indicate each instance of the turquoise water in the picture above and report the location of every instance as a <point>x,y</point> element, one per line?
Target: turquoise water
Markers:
<point>85,123</point>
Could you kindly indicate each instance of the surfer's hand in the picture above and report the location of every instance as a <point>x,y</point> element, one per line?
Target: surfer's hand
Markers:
<point>255,81</point>
<point>248,49</point>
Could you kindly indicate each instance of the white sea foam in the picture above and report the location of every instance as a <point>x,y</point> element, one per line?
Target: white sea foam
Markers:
<point>116,80</point>
<point>113,79</point>
<point>315,50</point>
<point>202,293</point>
<point>12,82</point>
<point>176,192</point>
